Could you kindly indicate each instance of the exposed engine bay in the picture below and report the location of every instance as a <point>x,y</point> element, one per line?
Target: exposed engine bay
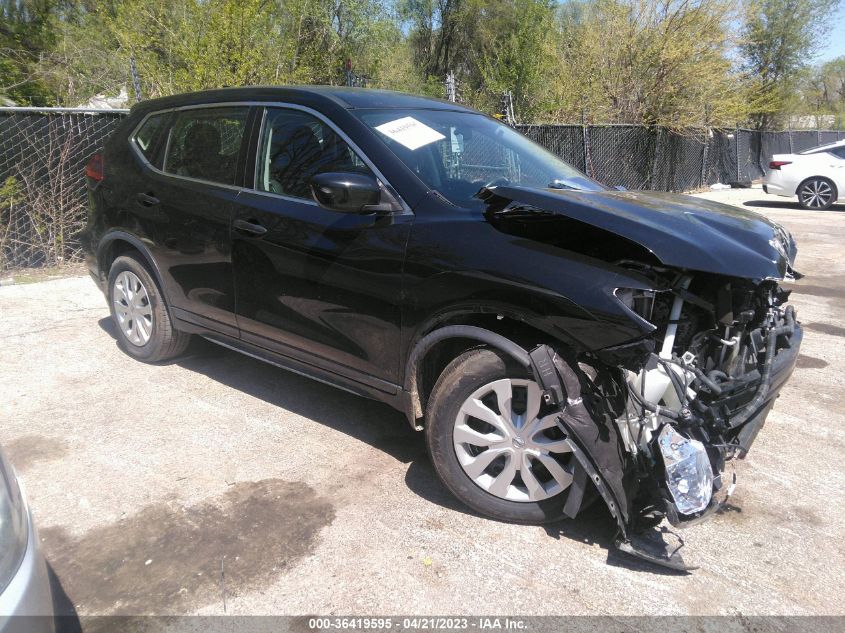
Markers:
<point>696,393</point>
<point>695,402</point>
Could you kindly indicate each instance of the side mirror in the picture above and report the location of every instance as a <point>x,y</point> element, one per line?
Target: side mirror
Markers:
<point>346,192</point>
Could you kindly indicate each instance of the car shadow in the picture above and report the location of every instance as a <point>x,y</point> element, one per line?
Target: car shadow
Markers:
<point>787,205</point>
<point>379,426</point>
<point>65,618</point>
<point>365,420</point>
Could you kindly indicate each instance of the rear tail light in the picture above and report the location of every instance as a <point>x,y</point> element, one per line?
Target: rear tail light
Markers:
<point>94,168</point>
<point>777,164</point>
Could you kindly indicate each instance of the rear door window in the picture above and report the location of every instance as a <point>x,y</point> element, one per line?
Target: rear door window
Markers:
<point>205,144</point>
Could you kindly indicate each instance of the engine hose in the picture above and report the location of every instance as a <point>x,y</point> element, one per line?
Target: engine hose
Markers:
<point>680,390</point>
<point>763,389</point>
<point>654,408</point>
<point>713,374</point>
<point>706,381</point>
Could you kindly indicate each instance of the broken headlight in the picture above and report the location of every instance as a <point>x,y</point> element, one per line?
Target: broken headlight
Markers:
<point>688,472</point>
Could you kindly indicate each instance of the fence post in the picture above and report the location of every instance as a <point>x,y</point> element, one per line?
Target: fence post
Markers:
<point>136,80</point>
<point>736,152</point>
<point>588,152</point>
<point>704,154</point>
<point>789,136</point>
<point>451,93</point>
<point>655,159</point>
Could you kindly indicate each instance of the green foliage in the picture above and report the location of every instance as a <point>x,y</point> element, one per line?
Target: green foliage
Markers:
<point>822,91</point>
<point>25,31</point>
<point>10,192</point>
<point>779,38</point>
<point>657,63</point>
<point>517,54</point>
<point>678,63</point>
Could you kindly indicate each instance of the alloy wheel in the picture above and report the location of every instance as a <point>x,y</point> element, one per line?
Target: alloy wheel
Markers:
<point>507,448</point>
<point>816,194</point>
<point>132,308</point>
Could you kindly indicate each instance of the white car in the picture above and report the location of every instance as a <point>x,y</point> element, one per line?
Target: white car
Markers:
<point>24,580</point>
<point>816,176</point>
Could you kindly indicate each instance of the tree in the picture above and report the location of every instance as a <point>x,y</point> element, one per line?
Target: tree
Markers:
<point>516,53</point>
<point>656,62</point>
<point>679,63</point>
<point>822,91</point>
<point>25,34</point>
<point>491,46</point>
<point>779,38</point>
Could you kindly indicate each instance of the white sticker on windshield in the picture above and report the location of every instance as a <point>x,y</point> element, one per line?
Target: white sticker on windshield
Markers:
<point>409,132</point>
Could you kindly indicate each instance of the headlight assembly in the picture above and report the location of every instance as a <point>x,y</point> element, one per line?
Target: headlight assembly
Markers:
<point>689,475</point>
<point>13,524</point>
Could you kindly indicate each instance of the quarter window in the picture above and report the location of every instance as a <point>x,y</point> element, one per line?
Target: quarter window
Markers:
<point>296,146</point>
<point>205,144</point>
<point>146,137</point>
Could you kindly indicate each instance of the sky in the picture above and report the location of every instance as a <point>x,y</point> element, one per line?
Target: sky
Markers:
<point>835,45</point>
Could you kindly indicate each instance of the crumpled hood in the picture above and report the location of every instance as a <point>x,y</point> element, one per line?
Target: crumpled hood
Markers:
<point>681,231</point>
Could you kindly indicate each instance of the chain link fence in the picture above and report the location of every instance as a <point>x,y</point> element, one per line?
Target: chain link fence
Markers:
<point>43,199</point>
<point>43,153</point>
<point>638,157</point>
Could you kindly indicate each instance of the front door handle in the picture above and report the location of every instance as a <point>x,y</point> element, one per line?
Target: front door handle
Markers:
<point>249,227</point>
<point>147,200</point>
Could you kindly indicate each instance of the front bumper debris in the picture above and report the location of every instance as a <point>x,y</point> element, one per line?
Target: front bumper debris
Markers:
<point>597,449</point>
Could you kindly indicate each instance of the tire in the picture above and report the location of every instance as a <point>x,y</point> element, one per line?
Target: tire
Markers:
<point>483,376</point>
<point>139,313</point>
<point>816,193</point>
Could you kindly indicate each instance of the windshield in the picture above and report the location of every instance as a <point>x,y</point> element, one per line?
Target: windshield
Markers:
<point>457,153</point>
<point>823,148</point>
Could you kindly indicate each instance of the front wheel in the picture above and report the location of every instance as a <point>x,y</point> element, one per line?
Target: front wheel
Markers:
<point>494,443</point>
<point>817,193</point>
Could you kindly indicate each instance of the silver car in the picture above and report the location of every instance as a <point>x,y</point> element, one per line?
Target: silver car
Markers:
<point>24,581</point>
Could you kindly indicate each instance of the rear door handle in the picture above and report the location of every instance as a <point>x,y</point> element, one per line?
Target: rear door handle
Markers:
<point>147,200</point>
<point>249,227</point>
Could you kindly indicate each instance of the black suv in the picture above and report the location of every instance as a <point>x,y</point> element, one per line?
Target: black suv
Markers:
<point>549,334</point>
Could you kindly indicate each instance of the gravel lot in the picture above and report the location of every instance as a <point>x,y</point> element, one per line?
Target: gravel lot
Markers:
<point>146,480</point>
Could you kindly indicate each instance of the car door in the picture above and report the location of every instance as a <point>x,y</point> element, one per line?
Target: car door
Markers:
<point>317,285</point>
<point>837,169</point>
<point>188,204</point>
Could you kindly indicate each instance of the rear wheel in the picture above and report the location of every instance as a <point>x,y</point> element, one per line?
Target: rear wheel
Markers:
<point>817,193</point>
<point>493,442</point>
<point>144,329</point>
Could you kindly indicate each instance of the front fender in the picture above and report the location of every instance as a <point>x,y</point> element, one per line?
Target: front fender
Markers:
<point>596,321</point>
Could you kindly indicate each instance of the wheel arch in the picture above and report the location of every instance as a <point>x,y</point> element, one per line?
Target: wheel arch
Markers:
<point>447,336</point>
<point>117,243</point>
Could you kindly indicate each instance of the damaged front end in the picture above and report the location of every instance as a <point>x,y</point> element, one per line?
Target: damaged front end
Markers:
<point>722,348</point>
<point>655,421</point>
<point>726,347</point>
